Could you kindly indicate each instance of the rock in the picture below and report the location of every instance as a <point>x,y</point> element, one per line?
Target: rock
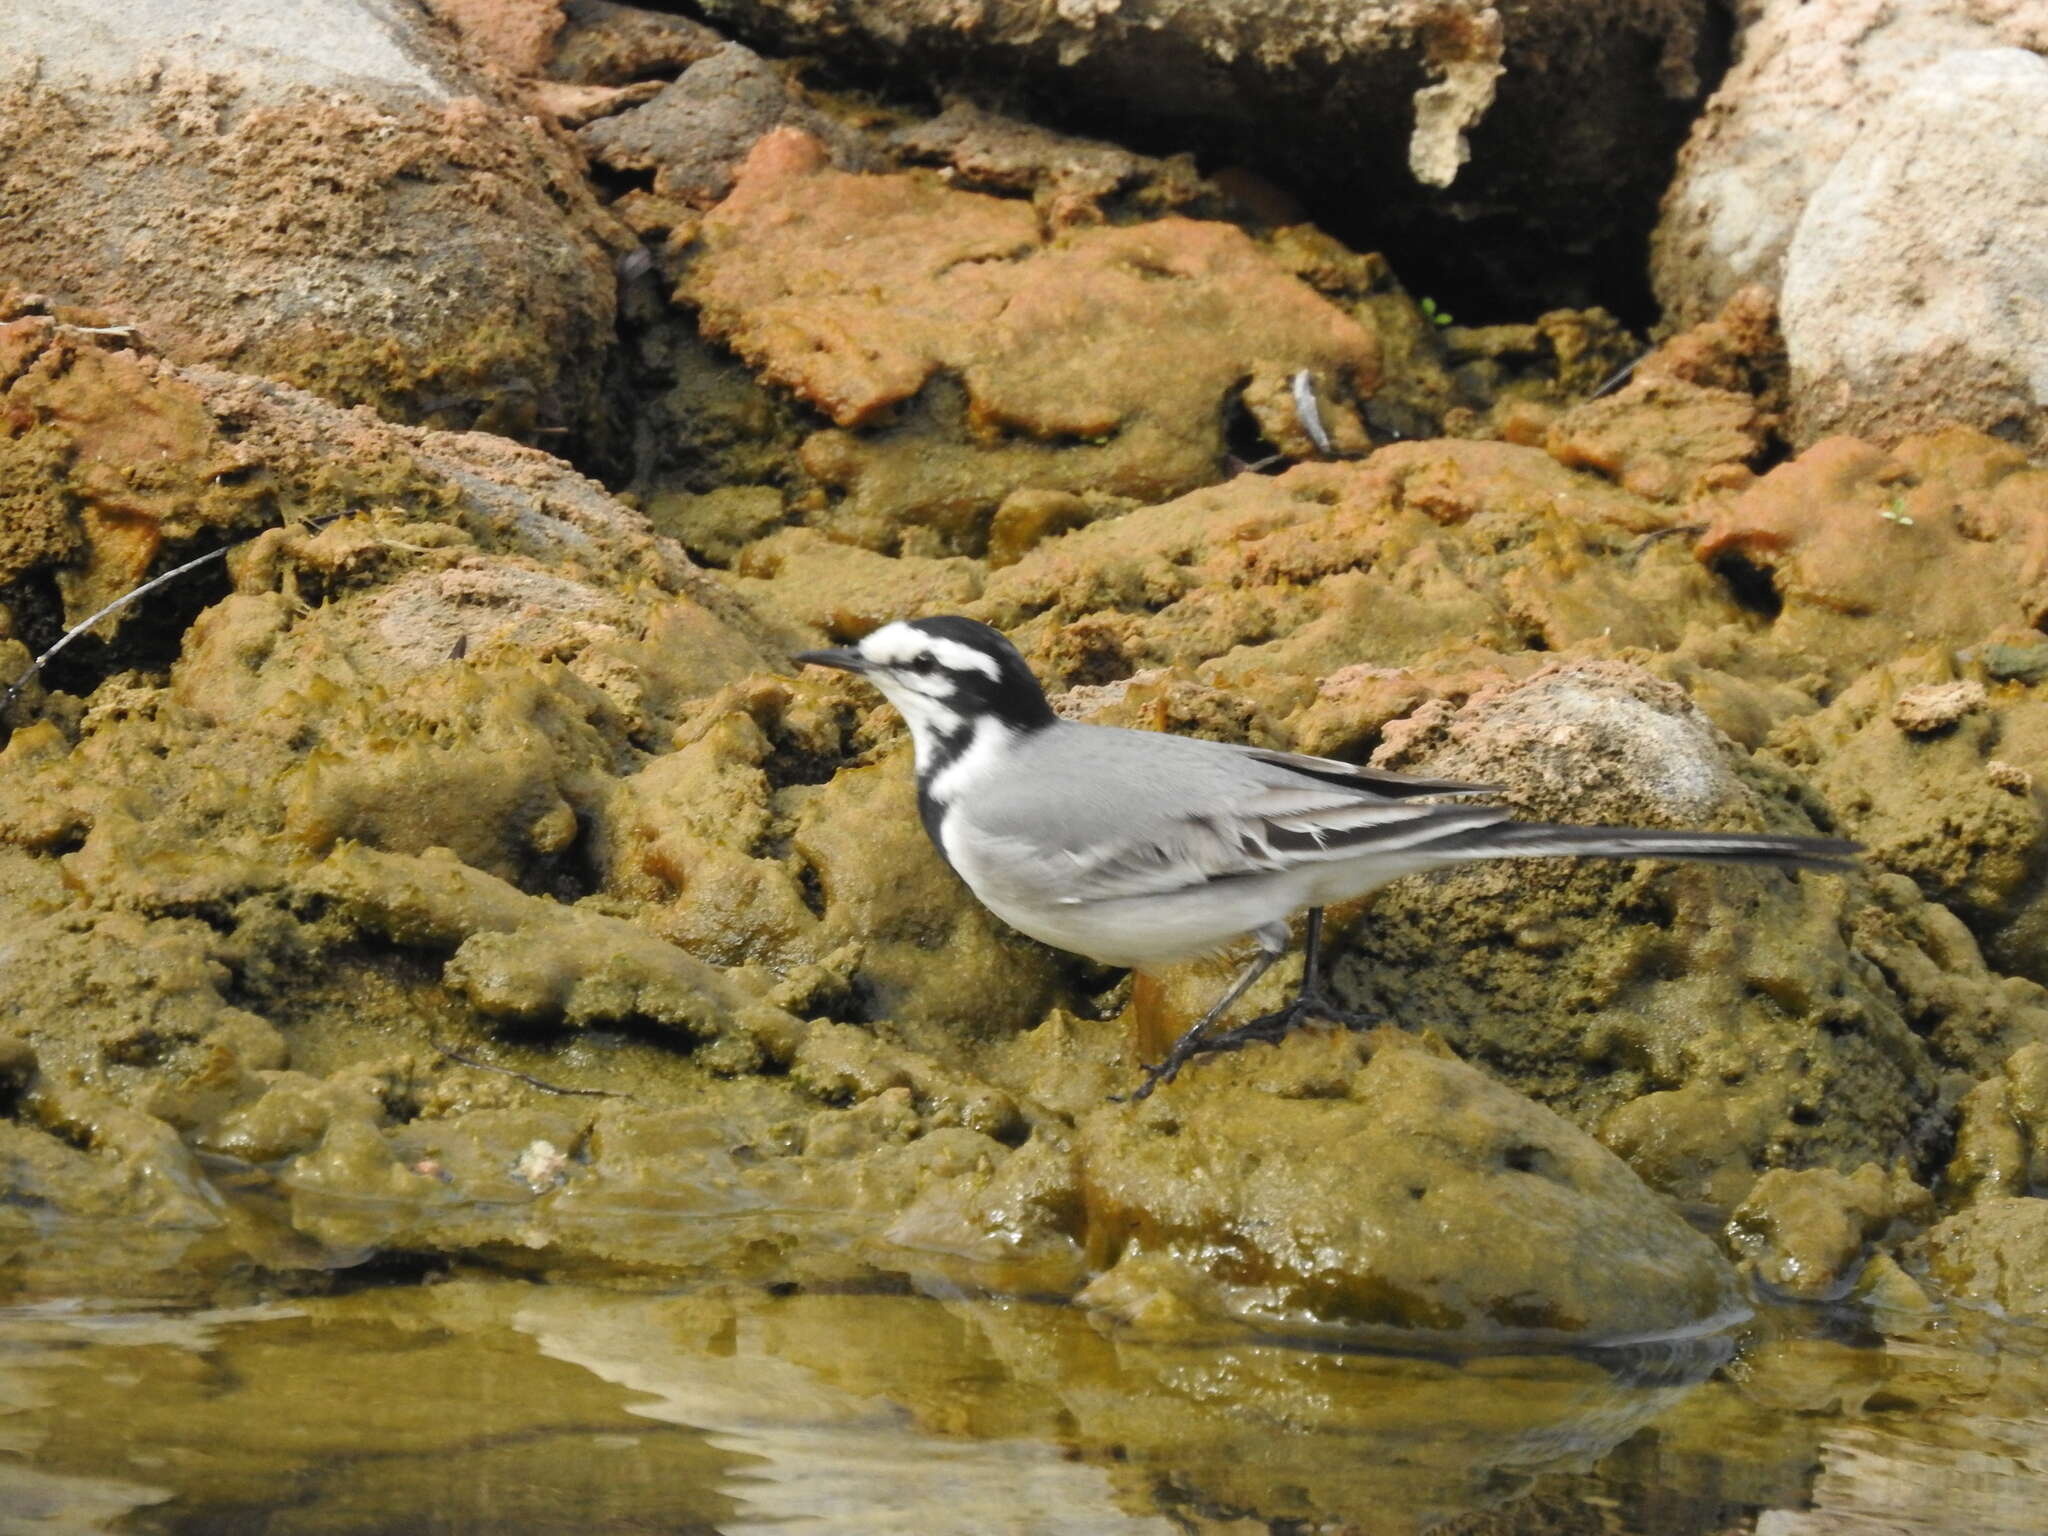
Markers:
<point>1994,1254</point>
<point>2002,1135</point>
<point>741,855</point>
<point>462,672</point>
<point>1899,292</point>
<point>1804,1232</point>
<point>694,134</point>
<point>615,45</point>
<point>844,591</point>
<point>1806,81</point>
<point>518,35</point>
<point>1911,760</point>
<point>714,526</point>
<point>996,356</point>
<point>327,197</point>
<point>1662,439</point>
<point>1421,546</point>
<point>1855,555</point>
<point>1423,1197</point>
<point>1557,113</point>
<point>1702,1022</point>
<point>1934,707</point>
<point>1070,178</point>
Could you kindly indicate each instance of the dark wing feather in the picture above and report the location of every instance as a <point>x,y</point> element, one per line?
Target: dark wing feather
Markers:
<point>1256,839</point>
<point>1375,780</point>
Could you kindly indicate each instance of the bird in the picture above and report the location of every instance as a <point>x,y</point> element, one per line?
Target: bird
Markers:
<point>1140,848</point>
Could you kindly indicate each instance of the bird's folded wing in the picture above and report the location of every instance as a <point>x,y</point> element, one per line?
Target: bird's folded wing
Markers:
<point>1280,829</point>
<point>1399,786</point>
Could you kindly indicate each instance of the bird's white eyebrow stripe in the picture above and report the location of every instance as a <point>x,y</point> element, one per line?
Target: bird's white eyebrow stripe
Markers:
<point>956,657</point>
<point>894,643</point>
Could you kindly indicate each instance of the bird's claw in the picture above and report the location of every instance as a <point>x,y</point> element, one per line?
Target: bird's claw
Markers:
<point>1266,1029</point>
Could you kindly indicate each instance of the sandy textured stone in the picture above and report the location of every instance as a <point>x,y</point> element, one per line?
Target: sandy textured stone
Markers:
<point>320,192</point>
<point>1806,81</point>
<point>1914,280</point>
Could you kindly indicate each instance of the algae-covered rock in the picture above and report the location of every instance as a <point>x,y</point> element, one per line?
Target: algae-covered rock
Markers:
<point>2002,1130</point>
<point>1419,547</point>
<point>844,591</point>
<point>1925,769</point>
<point>1426,1197</point>
<point>1994,1254</point>
<point>1804,1233</point>
<point>329,198</point>
<point>525,959</point>
<point>1663,438</point>
<point>742,858</point>
<point>1705,1022</point>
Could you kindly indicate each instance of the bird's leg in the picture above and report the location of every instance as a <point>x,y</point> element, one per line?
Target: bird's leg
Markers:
<point>1192,1042</point>
<point>1311,1001</point>
<point>1313,995</point>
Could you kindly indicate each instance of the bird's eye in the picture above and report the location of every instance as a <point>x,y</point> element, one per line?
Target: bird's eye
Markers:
<point>922,664</point>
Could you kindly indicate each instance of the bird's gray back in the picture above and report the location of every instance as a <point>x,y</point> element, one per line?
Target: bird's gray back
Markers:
<point>1074,787</point>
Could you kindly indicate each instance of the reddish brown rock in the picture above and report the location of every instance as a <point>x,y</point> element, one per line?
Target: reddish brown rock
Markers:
<point>518,35</point>
<point>1856,554</point>
<point>1100,360</point>
<point>1427,120</point>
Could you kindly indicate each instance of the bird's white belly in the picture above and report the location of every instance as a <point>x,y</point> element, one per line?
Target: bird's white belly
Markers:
<point>1149,931</point>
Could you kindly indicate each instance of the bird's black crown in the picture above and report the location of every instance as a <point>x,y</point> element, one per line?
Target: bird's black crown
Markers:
<point>1012,694</point>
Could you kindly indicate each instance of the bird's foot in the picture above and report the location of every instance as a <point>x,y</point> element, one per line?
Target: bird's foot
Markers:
<point>1165,1070</point>
<point>1266,1029</point>
<point>1272,1028</point>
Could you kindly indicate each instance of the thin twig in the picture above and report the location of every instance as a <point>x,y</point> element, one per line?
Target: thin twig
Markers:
<point>1619,377</point>
<point>527,1077</point>
<point>35,668</point>
<point>1658,535</point>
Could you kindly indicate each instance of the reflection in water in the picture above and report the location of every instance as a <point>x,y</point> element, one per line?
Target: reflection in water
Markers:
<point>855,1405</point>
<point>489,1404</point>
<point>820,1458</point>
<point>1950,1440</point>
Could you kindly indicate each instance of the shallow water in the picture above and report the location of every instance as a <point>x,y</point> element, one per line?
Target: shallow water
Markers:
<point>480,1402</point>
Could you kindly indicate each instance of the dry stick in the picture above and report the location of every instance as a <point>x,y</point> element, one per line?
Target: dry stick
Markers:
<point>35,667</point>
<point>1657,535</point>
<point>527,1077</point>
<point>1616,379</point>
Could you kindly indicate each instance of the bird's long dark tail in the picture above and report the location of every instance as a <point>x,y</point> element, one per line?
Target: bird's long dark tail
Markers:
<point>1536,839</point>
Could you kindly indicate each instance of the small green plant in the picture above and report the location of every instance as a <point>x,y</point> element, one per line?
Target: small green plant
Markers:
<point>1894,511</point>
<point>1434,315</point>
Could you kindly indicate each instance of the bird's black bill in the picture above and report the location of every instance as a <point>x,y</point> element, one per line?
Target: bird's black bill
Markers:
<point>844,657</point>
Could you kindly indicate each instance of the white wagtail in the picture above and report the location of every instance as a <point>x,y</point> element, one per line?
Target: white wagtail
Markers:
<point>1139,849</point>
